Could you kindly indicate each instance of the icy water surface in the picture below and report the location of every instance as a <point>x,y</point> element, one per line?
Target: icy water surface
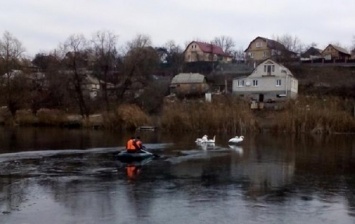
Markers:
<point>73,177</point>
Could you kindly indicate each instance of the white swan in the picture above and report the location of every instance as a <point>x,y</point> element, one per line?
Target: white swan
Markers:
<point>201,140</point>
<point>213,140</point>
<point>236,139</point>
<point>205,139</point>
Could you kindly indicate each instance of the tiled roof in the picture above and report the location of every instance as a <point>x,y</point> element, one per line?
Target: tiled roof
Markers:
<point>272,44</point>
<point>210,48</point>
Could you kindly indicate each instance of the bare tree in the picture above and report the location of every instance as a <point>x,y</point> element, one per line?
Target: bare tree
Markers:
<point>138,65</point>
<point>175,58</point>
<point>11,51</point>
<point>76,59</point>
<point>225,42</point>
<point>352,48</point>
<point>291,43</point>
<point>53,92</point>
<point>104,43</point>
<point>239,55</point>
<point>140,41</point>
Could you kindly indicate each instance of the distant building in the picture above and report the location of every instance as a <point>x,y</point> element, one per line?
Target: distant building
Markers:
<point>189,84</point>
<point>199,51</point>
<point>311,54</point>
<point>262,48</point>
<point>333,52</point>
<point>91,86</point>
<point>269,81</point>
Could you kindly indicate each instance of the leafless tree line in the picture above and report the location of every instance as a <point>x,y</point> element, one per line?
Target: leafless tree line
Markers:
<point>59,78</point>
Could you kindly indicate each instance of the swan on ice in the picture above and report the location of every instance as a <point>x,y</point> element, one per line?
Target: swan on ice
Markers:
<point>201,140</point>
<point>205,139</point>
<point>236,139</point>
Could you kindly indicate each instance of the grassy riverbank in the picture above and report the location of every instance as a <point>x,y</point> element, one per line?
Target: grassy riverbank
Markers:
<point>307,114</point>
<point>226,114</point>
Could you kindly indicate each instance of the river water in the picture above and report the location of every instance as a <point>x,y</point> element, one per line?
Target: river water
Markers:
<point>71,176</point>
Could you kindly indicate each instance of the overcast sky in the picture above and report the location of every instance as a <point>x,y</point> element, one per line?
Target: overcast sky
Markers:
<point>41,25</point>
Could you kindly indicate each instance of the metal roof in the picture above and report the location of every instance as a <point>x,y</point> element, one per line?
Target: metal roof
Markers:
<point>188,78</point>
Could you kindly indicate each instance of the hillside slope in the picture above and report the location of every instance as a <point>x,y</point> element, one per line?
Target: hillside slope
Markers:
<point>325,80</point>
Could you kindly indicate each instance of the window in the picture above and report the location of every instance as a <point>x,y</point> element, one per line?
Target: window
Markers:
<point>269,69</point>
<point>259,44</point>
<point>241,83</point>
<point>278,82</point>
<point>255,82</point>
<point>265,54</point>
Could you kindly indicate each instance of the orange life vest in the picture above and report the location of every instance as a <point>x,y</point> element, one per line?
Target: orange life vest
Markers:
<point>130,145</point>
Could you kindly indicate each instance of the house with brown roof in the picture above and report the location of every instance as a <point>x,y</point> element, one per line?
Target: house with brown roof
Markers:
<point>262,48</point>
<point>199,51</point>
<point>333,52</point>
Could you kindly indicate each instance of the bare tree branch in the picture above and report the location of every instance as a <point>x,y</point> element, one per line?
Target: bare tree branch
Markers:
<point>225,42</point>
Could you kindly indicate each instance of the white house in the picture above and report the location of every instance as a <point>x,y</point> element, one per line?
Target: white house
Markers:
<point>269,81</point>
<point>91,86</point>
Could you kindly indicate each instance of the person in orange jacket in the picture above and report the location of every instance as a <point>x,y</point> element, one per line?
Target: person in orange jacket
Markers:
<point>138,144</point>
<point>131,145</point>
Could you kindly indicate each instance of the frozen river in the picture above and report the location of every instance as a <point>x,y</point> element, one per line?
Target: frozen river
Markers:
<point>70,176</point>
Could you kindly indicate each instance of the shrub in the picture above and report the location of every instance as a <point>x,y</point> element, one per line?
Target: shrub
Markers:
<point>50,117</point>
<point>126,117</point>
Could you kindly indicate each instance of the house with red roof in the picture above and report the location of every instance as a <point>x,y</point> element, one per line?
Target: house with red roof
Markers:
<point>201,51</point>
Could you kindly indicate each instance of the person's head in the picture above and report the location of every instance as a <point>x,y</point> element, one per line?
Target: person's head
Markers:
<point>132,137</point>
<point>139,138</point>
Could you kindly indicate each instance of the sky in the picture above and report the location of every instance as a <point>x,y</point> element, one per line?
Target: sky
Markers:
<point>41,25</point>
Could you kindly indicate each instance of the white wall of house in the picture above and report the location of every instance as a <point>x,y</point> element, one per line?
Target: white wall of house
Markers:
<point>269,80</point>
<point>91,86</point>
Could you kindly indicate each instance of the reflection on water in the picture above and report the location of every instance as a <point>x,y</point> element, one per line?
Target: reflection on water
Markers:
<point>266,179</point>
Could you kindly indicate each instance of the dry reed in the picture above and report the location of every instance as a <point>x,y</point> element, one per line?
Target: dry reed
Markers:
<point>310,114</point>
<point>225,114</point>
<point>126,117</point>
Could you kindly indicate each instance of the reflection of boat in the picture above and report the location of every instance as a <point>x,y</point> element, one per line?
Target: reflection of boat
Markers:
<point>132,171</point>
<point>125,156</point>
<point>236,139</point>
<point>139,164</point>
